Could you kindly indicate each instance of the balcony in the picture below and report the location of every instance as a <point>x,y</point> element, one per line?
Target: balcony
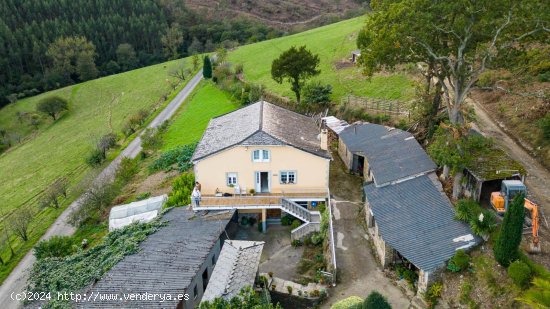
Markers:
<point>261,200</point>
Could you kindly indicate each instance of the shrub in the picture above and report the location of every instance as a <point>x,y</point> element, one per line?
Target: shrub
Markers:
<point>520,273</point>
<point>507,244</point>
<point>181,190</point>
<point>317,239</point>
<point>484,224</point>
<point>352,302</point>
<point>106,142</point>
<point>95,158</point>
<point>544,125</point>
<point>286,220</point>
<point>135,121</point>
<point>318,94</point>
<point>295,224</point>
<point>179,156</point>
<point>296,243</point>
<point>433,293</point>
<point>459,261</point>
<point>375,300</point>
<point>57,246</point>
<point>151,139</point>
<point>289,289</point>
<point>127,169</point>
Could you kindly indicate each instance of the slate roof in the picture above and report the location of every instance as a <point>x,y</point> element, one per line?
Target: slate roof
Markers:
<point>261,123</point>
<point>392,154</point>
<point>235,269</point>
<point>415,218</point>
<point>167,262</point>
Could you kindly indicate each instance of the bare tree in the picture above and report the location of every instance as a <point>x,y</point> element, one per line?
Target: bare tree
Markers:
<point>55,190</point>
<point>179,71</point>
<point>19,222</point>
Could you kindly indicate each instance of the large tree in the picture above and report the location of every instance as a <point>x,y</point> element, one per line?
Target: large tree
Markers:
<point>172,41</point>
<point>126,56</point>
<point>52,106</point>
<point>71,54</point>
<point>457,40</point>
<point>295,65</point>
<point>507,246</point>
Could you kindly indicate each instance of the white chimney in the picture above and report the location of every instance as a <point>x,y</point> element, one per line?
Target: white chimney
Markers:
<point>324,139</point>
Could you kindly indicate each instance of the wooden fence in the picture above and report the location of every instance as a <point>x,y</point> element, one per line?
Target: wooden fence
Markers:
<point>376,106</point>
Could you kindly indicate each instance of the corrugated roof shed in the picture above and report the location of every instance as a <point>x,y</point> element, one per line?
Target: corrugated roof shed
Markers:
<point>392,154</point>
<point>261,123</point>
<point>166,264</point>
<point>417,220</point>
<point>236,268</point>
<point>139,211</point>
<point>335,124</point>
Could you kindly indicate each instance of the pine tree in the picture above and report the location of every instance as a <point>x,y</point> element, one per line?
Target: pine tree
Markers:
<point>506,247</point>
<point>207,68</point>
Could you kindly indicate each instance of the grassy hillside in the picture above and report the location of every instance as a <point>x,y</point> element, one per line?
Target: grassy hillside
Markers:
<point>334,44</point>
<point>58,149</point>
<point>206,102</point>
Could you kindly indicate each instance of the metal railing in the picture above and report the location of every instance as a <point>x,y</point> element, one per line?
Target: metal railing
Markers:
<point>296,210</point>
<point>331,237</point>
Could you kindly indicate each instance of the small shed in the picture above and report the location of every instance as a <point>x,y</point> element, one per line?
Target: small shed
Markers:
<point>414,221</point>
<point>335,126</point>
<point>140,211</point>
<point>237,268</point>
<point>355,55</point>
<point>488,172</point>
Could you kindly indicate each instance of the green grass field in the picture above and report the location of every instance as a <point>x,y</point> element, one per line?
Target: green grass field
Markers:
<point>58,149</point>
<point>206,102</point>
<point>333,44</point>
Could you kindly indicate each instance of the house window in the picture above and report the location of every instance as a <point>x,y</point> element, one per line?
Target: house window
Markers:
<point>231,179</point>
<point>288,177</point>
<point>260,155</point>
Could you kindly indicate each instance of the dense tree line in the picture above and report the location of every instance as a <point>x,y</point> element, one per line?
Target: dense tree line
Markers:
<point>47,44</point>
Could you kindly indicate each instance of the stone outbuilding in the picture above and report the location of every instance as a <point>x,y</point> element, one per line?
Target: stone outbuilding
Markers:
<point>413,221</point>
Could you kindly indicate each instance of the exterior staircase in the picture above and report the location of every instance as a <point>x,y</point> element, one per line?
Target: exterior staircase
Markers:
<point>312,219</point>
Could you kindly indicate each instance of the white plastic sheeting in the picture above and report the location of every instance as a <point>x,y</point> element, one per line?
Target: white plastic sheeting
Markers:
<point>140,211</point>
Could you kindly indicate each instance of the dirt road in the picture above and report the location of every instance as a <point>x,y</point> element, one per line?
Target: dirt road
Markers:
<point>16,281</point>
<point>359,273</point>
<point>538,177</point>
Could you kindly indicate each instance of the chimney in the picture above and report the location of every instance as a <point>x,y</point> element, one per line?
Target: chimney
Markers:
<point>324,139</point>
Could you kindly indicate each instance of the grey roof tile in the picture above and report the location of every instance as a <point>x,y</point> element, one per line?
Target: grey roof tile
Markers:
<point>261,123</point>
<point>167,262</point>
<point>417,220</point>
<point>235,269</point>
<point>392,154</point>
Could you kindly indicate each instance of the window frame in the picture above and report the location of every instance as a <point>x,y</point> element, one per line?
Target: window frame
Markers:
<point>231,174</point>
<point>287,175</point>
<point>264,155</point>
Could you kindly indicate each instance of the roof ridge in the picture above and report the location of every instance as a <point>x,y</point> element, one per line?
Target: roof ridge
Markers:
<point>261,126</point>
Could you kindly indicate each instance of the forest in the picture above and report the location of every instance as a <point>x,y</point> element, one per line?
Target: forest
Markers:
<point>48,44</point>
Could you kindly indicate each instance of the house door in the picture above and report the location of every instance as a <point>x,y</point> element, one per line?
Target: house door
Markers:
<point>262,182</point>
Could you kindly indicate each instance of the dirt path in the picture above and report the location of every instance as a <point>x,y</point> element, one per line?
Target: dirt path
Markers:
<point>17,280</point>
<point>359,273</point>
<point>538,177</point>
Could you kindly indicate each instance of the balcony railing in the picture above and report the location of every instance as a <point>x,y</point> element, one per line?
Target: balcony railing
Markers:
<point>262,199</point>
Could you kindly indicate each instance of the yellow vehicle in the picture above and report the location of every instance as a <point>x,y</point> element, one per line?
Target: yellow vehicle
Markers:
<point>501,200</point>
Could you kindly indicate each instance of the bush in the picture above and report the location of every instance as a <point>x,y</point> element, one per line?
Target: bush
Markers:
<point>95,158</point>
<point>179,156</point>
<point>544,125</point>
<point>433,294</point>
<point>520,273</point>
<point>52,106</point>
<point>127,169</point>
<point>375,300</point>
<point>151,139</point>
<point>459,261</point>
<point>57,246</point>
<point>317,239</point>
<point>181,190</point>
<point>286,220</point>
<point>352,302</point>
<point>296,243</point>
<point>295,224</point>
<point>106,142</point>
<point>318,94</point>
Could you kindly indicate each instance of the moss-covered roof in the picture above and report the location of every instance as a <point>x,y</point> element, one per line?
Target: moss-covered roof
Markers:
<point>488,163</point>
